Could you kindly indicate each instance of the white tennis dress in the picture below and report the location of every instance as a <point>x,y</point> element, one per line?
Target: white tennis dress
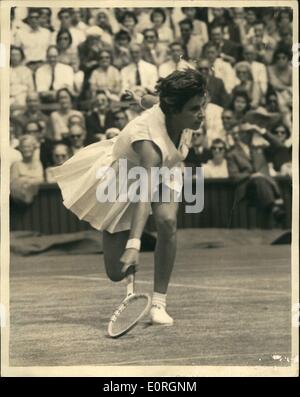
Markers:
<point>77,176</point>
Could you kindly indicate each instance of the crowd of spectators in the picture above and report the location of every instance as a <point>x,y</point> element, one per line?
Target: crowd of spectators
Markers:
<point>71,69</point>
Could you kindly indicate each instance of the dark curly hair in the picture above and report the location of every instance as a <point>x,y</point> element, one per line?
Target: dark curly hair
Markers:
<point>178,88</point>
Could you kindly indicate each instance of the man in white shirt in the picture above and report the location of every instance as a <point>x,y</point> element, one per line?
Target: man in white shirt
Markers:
<point>221,69</point>
<point>175,63</point>
<point>139,72</point>
<point>34,40</point>
<point>263,43</point>
<point>192,43</point>
<point>259,70</point>
<point>53,75</point>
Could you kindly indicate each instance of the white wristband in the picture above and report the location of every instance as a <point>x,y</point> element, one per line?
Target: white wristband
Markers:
<point>134,243</point>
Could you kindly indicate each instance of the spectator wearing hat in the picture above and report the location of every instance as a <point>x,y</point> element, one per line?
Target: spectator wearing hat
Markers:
<point>128,22</point>
<point>121,51</point>
<point>165,34</point>
<point>247,83</point>
<point>153,51</point>
<point>106,76</point>
<point>21,80</point>
<point>192,44</point>
<point>215,86</point>
<point>217,166</point>
<point>138,72</point>
<point>219,68</point>
<point>53,76</point>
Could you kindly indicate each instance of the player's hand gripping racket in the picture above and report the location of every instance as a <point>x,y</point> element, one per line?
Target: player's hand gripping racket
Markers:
<point>132,309</point>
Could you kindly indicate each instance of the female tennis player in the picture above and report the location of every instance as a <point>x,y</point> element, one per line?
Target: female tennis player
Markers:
<point>156,138</point>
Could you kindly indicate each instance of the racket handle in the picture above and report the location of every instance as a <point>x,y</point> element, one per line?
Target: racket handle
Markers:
<point>130,284</point>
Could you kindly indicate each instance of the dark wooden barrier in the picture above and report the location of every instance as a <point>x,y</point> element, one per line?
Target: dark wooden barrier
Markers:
<point>48,215</point>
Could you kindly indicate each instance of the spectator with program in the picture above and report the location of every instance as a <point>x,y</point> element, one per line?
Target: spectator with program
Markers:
<point>138,72</point>
<point>21,80</point>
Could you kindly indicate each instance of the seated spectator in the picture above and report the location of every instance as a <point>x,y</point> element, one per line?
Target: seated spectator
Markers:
<point>247,26</point>
<point>111,133</point>
<point>32,113</point>
<point>143,16</point>
<point>164,33</point>
<point>60,154</point>
<point>14,154</point>
<point>240,104</point>
<point>192,44</point>
<point>59,119</point>
<point>53,76</point>
<point>118,118</point>
<point>77,20</point>
<point>280,154</point>
<point>221,69</point>
<point>27,174</point>
<point>45,18</point>
<point>228,50</point>
<point>176,62</point>
<point>213,122</point>
<point>138,72</point>
<point>247,83</point>
<point>263,43</point>
<point>75,119</point>
<point>21,80</point>
<point>230,30</point>
<point>66,53</point>
<point>129,21</point>
<point>215,86</point>
<point>286,38</point>
<point>102,20</point>
<point>199,27</point>
<point>121,52</point>
<point>96,120</point>
<point>217,166</point>
<point>44,145</point>
<point>258,69</point>
<point>76,138</point>
<point>280,78</point>
<point>34,40</point>
<point>284,19</point>
<point>228,132</point>
<point>78,35</point>
<point>106,76</point>
<point>152,51</point>
<point>248,166</point>
<point>199,153</point>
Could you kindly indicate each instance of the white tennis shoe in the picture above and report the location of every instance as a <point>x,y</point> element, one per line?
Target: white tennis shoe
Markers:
<point>159,316</point>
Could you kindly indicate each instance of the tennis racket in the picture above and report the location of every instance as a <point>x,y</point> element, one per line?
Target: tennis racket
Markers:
<point>131,310</point>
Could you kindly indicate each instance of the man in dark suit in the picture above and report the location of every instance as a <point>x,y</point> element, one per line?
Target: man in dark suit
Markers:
<point>198,154</point>
<point>215,86</point>
<point>96,120</point>
<point>248,166</point>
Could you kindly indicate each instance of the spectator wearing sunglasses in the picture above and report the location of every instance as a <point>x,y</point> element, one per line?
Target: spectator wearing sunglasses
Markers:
<point>153,51</point>
<point>106,76</point>
<point>199,153</point>
<point>215,86</point>
<point>60,154</point>
<point>76,138</point>
<point>176,62</point>
<point>280,155</point>
<point>217,166</point>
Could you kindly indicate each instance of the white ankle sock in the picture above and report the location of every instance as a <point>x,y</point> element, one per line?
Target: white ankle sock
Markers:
<point>159,299</point>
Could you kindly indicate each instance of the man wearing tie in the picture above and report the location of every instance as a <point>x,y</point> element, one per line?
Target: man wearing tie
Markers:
<point>138,72</point>
<point>52,76</point>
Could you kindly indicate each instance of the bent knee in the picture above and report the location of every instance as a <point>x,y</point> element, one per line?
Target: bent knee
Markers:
<point>167,226</point>
<point>115,275</point>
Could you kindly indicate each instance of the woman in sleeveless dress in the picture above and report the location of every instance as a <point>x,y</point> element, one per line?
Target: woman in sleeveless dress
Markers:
<point>159,137</point>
